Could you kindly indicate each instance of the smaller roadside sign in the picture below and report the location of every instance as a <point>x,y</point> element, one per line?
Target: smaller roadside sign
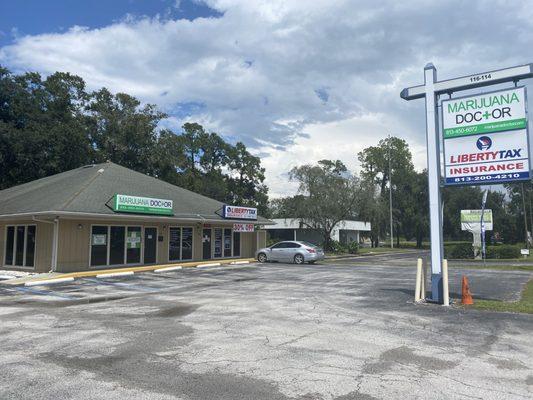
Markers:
<point>243,227</point>
<point>471,220</point>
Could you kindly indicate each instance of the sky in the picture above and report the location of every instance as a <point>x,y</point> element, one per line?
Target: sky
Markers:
<point>296,81</point>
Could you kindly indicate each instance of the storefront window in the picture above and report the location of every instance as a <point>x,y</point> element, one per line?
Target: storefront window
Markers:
<point>30,246</point>
<point>180,243</point>
<point>10,242</point>
<point>236,244</point>
<point>98,245</point>
<point>186,244</point>
<point>218,242</point>
<point>20,246</point>
<point>174,244</point>
<point>133,245</point>
<point>116,245</point>
<point>227,242</point>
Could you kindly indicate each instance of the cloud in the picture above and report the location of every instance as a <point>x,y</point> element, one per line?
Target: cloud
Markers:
<point>296,81</point>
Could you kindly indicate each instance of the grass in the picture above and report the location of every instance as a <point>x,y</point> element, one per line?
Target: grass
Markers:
<point>524,305</point>
<point>492,266</point>
<point>369,250</point>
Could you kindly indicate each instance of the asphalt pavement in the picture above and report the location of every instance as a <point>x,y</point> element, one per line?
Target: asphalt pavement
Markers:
<point>342,330</point>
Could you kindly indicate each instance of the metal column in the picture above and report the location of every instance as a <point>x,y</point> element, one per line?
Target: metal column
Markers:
<point>433,154</point>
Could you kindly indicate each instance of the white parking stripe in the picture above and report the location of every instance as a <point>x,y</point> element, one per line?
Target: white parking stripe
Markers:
<point>114,274</point>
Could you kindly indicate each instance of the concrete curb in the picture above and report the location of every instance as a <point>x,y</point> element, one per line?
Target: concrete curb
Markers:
<point>115,271</point>
<point>49,281</point>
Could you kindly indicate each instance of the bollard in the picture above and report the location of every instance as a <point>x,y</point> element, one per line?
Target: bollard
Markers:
<point>418,279</point>
<point>423,283</point>
<point>445,289</point>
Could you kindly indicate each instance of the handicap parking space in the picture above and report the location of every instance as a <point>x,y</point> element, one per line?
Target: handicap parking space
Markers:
<point>89,289</point>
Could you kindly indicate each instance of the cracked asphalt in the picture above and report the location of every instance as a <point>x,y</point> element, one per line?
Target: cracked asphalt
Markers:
<point>343,330</point>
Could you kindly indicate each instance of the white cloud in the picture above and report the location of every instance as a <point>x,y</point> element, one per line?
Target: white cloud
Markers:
<point>300,81</point>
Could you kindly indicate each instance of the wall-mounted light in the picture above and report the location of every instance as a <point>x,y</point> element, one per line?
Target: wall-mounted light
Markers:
<point>80,227</point>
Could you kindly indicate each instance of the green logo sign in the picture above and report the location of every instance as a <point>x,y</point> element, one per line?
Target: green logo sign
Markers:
<point>141,205</point>
<point>485,113</point>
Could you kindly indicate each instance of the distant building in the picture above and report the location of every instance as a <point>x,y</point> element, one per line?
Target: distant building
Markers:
<point>345,231</point>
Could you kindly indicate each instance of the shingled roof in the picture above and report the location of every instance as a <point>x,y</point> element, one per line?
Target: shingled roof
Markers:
<point>89,189</point>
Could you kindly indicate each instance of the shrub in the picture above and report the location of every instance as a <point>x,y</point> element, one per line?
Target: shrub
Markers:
<point>459,251</point>
<point>337,247</point>
<point>503,252</point>
<point>353,247</point>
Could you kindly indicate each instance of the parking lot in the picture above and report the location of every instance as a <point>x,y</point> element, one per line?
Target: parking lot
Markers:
<point>341,330</point>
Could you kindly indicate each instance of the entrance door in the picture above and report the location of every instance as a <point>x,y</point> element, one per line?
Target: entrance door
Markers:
<point>206,244</point>
<point>150,245</point>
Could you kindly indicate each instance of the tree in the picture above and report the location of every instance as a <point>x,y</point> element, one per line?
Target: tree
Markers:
<point>245,181</point>
<point>391,158</point>
<point>53,125</point>
<point>328,193</point>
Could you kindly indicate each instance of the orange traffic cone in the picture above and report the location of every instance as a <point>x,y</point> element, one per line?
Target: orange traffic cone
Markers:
<point>466,295</point>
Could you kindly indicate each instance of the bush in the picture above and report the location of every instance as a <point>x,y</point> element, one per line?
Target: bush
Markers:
<point>337,247</point>
<point>460,251</point>
<point>353,247</point>
<point>465,251</point>
<point>504,251</point>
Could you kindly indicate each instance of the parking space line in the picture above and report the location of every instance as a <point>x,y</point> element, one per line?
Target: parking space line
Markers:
<point>121,285</point>
<point>42,292</point>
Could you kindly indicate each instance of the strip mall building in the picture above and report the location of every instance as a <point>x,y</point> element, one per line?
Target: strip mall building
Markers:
<point>105,215</point>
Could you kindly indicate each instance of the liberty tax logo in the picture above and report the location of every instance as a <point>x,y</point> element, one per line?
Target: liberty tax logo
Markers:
<point>484,143</point>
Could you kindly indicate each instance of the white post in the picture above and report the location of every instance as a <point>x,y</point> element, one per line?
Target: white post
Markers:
<point>433,155</point>
<point>55,239</point>
<point>445,290</point>
<point>418,279</point>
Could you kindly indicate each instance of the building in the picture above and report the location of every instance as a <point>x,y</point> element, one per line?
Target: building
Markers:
<point>105,215</point>
<point>345,231</point>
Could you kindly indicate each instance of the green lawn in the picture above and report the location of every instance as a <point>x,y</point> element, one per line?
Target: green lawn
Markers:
<point>489,266</point>
<point>524,305</point>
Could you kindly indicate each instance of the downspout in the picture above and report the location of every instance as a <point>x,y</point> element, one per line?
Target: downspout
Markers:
<point>55,239</point>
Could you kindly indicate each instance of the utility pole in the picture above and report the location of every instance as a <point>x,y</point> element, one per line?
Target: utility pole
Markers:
<point>390,197</point>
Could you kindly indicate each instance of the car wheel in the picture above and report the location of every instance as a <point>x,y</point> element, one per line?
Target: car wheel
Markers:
<point>262,258</point>
<point>298,259</point>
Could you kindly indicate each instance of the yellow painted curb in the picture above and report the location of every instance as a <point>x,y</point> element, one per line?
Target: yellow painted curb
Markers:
<point>83,274</point>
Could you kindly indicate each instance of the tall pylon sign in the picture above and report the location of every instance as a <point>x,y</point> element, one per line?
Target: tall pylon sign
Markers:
<point>485,140</point>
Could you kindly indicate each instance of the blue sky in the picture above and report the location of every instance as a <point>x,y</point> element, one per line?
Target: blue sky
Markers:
<point>31,17</point>
<point>297,81</point>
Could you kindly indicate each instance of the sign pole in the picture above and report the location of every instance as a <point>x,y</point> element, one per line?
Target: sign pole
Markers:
<point>520,171</point>
<point>433,155</point>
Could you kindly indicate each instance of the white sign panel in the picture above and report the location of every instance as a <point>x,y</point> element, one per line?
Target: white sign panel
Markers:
<point>471,220</point>
<point>234,212</point>
<point>486,138</point>
<point>494,158</point>
<point>484,113</point>
<point>243,227</point>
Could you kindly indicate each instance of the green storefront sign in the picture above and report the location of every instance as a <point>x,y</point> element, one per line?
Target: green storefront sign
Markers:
<point>142,205</point>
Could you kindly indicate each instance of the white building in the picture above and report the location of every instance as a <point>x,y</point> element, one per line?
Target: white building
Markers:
<point>345,231</point>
